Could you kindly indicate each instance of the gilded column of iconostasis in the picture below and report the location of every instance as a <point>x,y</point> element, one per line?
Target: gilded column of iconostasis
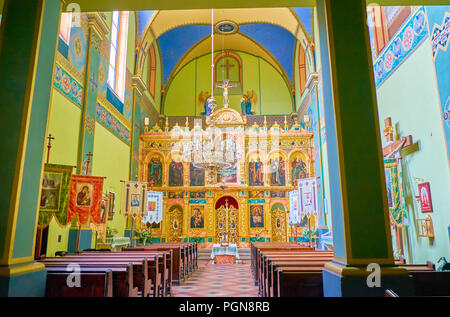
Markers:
<point>246,203</point>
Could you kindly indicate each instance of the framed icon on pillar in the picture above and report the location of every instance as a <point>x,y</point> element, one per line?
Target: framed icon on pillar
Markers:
<point>425,197</point>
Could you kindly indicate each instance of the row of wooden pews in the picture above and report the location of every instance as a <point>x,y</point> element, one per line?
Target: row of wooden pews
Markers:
<point>141,271</point>
<point>289,270</point>
<point>184,257</point>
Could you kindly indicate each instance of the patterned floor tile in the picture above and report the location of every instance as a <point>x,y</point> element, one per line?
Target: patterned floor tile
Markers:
<point>218,280</point>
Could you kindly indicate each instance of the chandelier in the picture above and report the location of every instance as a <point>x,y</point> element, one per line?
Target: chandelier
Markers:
<point>213,149</point>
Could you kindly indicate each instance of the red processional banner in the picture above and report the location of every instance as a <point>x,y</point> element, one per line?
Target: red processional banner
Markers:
<point>85,198</point>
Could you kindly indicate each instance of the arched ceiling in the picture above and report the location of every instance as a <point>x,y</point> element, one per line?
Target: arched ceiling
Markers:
<point>274,28</point>
<point>284,17</point>
<point>237,41</point>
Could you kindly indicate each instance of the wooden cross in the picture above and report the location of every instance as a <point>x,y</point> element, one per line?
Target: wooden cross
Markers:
<point>395,146</point>
<point>227,66</point>
<point>88,161</point>
<point>49,146</point>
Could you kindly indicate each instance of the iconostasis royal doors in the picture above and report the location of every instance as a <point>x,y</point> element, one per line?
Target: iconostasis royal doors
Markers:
<point>227,219</point>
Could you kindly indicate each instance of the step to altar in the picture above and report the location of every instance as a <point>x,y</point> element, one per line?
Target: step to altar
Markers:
<point>205,254</point>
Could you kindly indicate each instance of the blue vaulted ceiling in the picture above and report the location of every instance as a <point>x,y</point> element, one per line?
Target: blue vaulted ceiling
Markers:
<point>176,42</point>
<point>143,19</point>
<point>305,16</point>
<point>277,40</point>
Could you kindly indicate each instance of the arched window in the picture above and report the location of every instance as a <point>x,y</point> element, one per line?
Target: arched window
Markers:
<point>118,53</point>
<point>65,26</point>
<point>378,24</point>
<point>152,71</point>
<point>301,69</point>
<point>395,16</point>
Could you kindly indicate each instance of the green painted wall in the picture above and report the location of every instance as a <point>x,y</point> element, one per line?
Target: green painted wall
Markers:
<point>410,98</point>
<point>258,75</point>
<point>111,160</point>
<point>64,125</point>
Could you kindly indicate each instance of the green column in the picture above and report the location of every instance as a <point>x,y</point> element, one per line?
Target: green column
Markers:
<point>136,126</point>
<point>358,192</point>
<point>28,36</point>
<point>97,33</point>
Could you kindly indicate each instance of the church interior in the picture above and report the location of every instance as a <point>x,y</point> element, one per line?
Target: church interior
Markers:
<point>274,151</point>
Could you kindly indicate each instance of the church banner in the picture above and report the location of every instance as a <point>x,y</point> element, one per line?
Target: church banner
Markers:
<point>54,194</point>
<point>293,207</point>
<point>307,196</point>
<point>85,198</point>
<point>396,201</point>
<point>101,227</point>
<point>154,207</point>
<point>135,199</point>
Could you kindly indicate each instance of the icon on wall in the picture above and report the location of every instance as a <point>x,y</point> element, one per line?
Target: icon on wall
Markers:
<point>425,197</point>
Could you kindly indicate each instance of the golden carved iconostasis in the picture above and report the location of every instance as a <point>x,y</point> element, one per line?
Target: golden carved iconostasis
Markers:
<point>250,202</point>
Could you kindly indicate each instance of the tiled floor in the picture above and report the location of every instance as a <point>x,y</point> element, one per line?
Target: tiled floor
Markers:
<point>218,280</point>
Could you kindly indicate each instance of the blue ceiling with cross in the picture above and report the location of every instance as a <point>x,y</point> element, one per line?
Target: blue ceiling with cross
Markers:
<point>177,42</point>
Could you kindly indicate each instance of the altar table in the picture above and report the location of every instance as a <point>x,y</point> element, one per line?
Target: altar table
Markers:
<point>224,254</point>
<point>115,243</point>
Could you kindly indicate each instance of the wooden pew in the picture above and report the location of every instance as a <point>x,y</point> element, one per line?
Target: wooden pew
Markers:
<point>145,271</point>
<point>123,284</point>
<point>264,274</point>
<point>179,259</point>
<point>164,277</point>
<point>97,283</point>
<point>427,281</point>
<point>257,248</point>
<point>299,281</point>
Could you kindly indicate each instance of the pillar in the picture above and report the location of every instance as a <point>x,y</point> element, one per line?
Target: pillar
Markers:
<point>358,197</point>
<point>28,36</point>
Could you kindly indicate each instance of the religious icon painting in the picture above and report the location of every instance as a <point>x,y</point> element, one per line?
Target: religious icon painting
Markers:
<point>257,216</point>
<point>155,171</point>
<point>277,194</point>
<point>54,194</point>
<point>298,167</point>
<point>112,200</point>
<point>104,209</point>
<point>176,195</point>
<point>256,194</point>
<point>196,175</point>
<point>197,217</point>
<point>425,197</point>
<point>84,194</point>
<point>277,170</point>
<point>255,170</point>
<point>197,195</point>
<point>51,188</point>
<point>175,218</point>
<point>176,172</point>
<point>227,176</point>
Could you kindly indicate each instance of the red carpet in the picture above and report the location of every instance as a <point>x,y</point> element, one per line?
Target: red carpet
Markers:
<point>218,280</point>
